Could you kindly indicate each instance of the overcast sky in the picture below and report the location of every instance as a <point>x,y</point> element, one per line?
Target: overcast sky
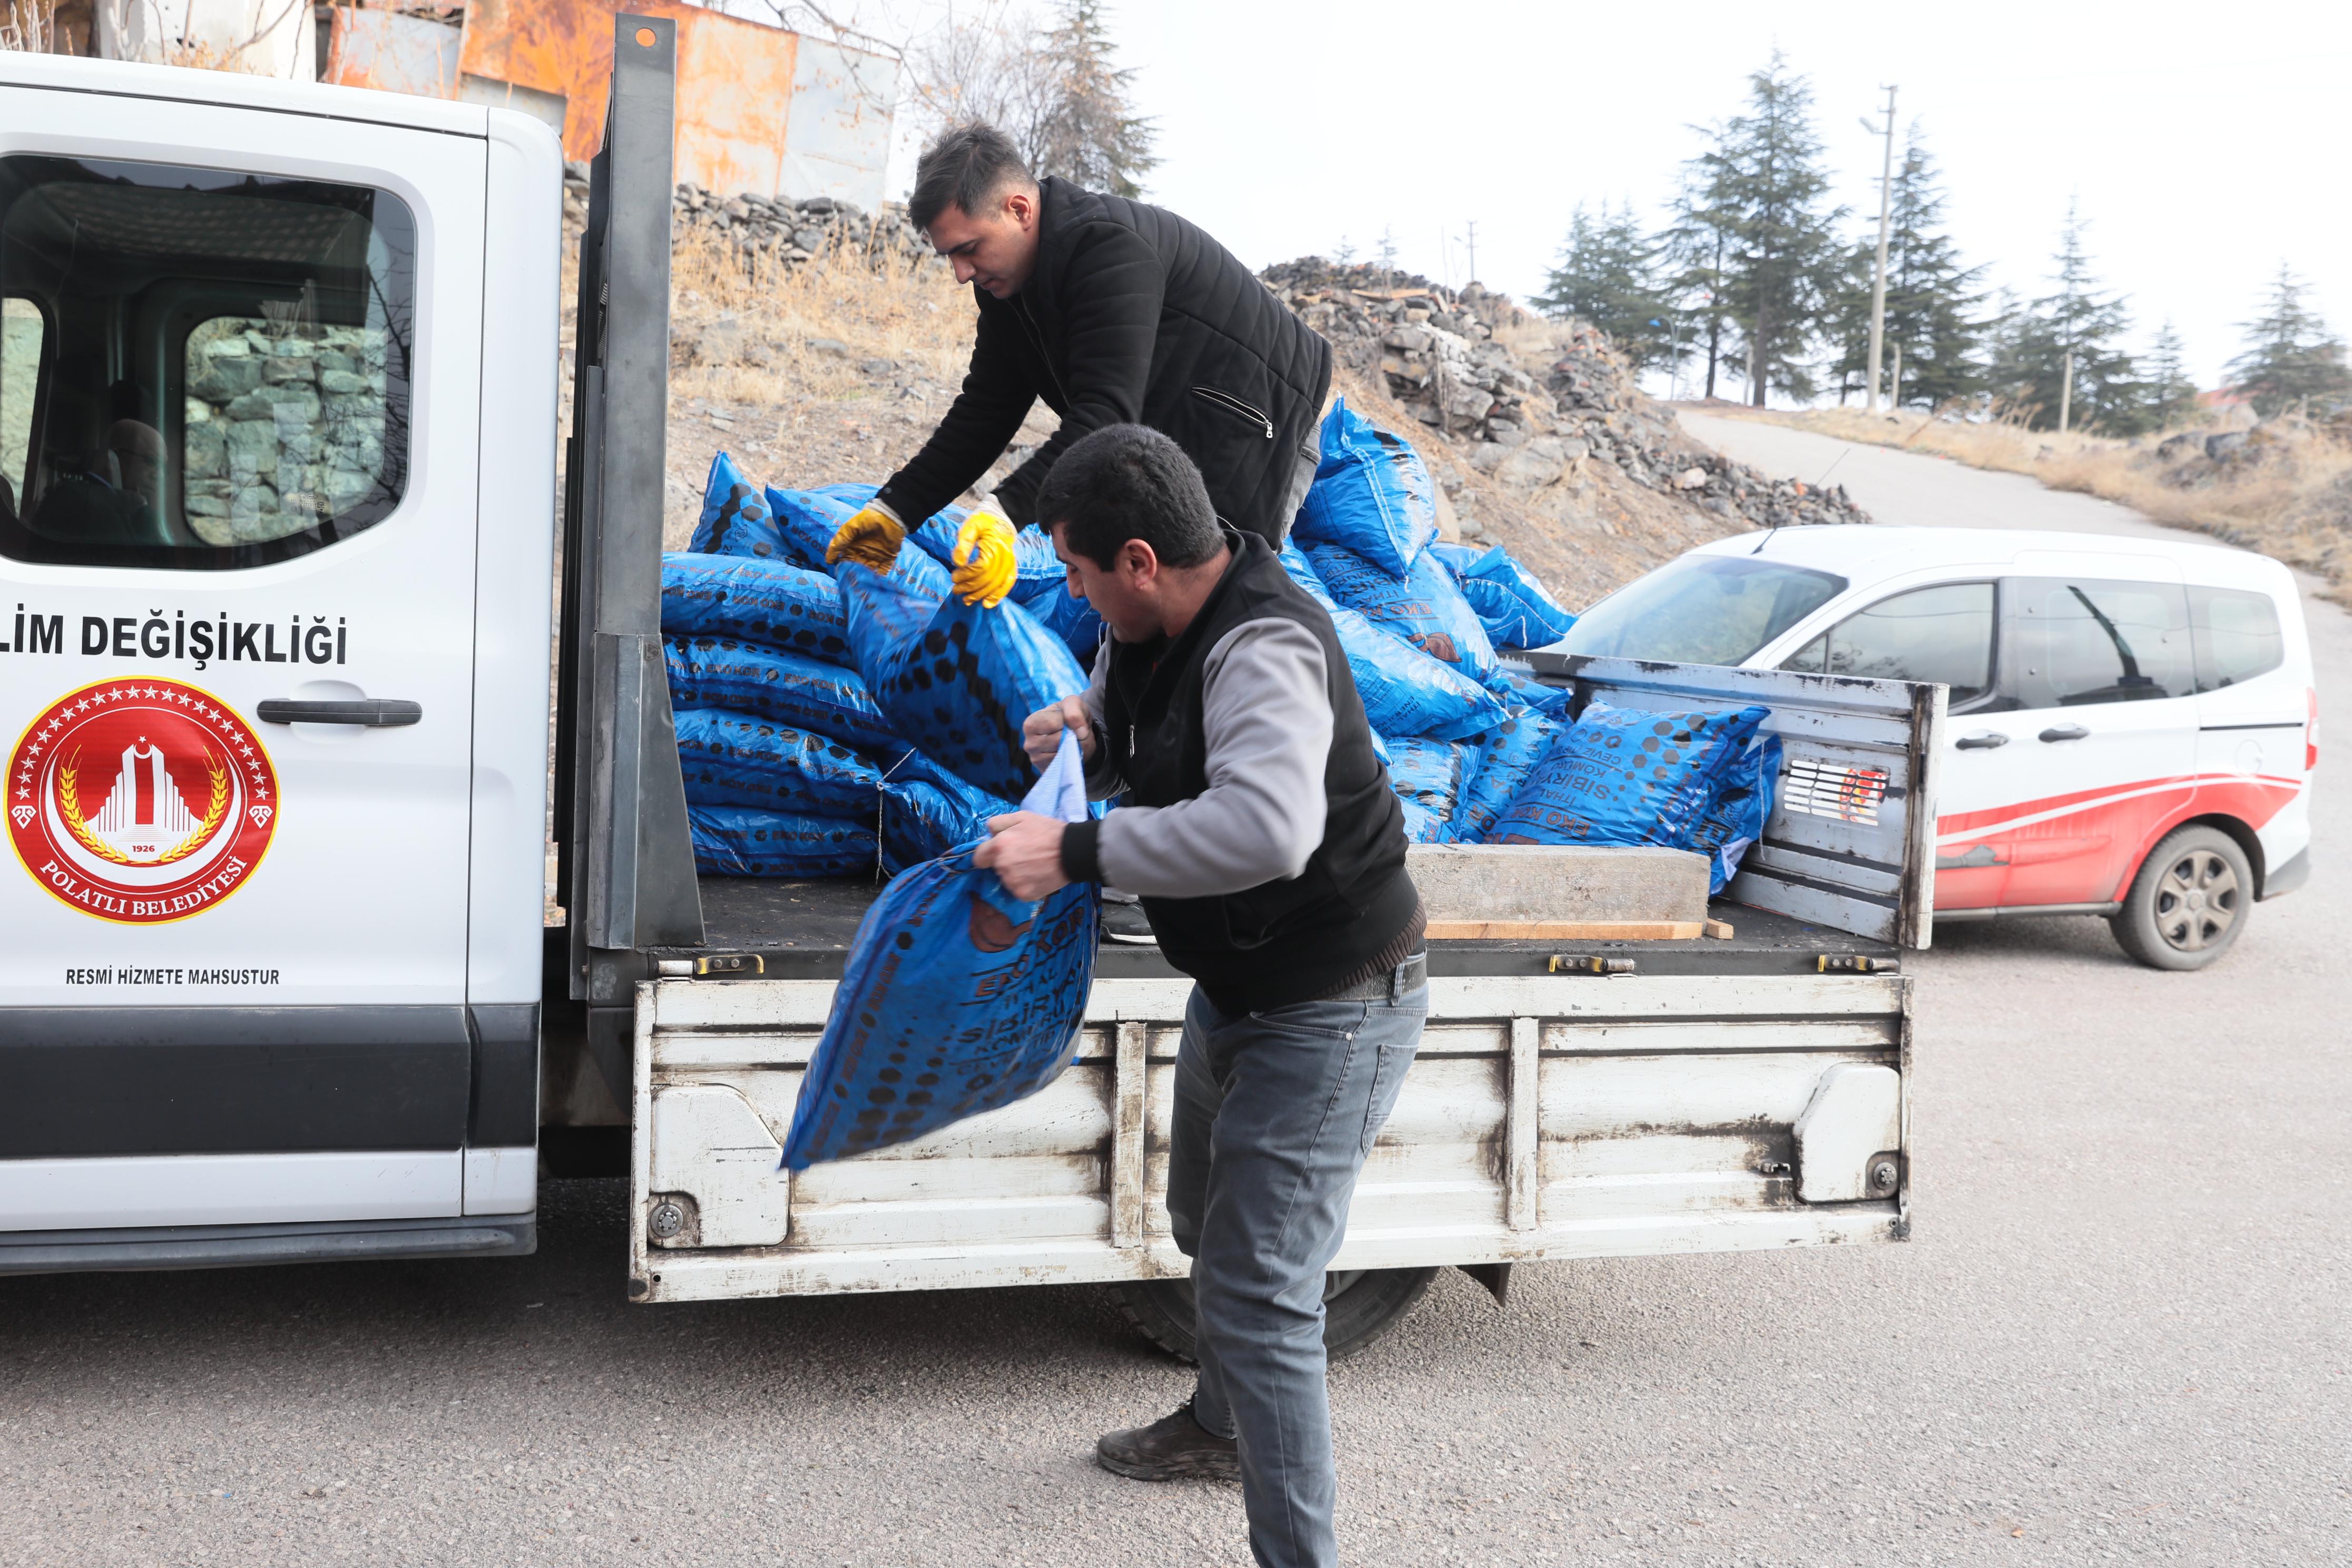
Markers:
<point>2204,144</point>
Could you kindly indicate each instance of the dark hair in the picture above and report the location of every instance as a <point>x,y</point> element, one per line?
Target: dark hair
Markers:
<point>964,168</point>
<point>1127,481</point>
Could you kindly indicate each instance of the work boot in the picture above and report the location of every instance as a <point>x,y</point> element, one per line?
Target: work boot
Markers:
<point>1127,922</point>
<point>1173,1448</point>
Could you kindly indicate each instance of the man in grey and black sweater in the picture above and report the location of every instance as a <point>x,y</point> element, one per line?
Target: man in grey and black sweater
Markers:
<point>1260,831</point>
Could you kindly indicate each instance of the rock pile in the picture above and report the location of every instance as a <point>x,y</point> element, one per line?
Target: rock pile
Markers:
<point>793,232</point>
<point>1439,352</point>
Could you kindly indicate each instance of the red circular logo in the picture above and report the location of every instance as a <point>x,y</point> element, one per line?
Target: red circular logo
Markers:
<point>140,801</point>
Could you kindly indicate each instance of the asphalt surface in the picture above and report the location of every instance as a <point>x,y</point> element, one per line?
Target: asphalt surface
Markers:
<point>2119,1335</point>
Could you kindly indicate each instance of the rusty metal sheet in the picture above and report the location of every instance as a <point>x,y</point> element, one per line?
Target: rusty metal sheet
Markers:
<point>393,53</point>
<point>739,125</point>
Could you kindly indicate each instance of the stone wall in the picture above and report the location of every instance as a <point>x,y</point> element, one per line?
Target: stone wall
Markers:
<point>286,425</point>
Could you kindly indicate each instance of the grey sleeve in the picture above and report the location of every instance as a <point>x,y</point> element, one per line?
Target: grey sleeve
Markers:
<point>1266,718</point>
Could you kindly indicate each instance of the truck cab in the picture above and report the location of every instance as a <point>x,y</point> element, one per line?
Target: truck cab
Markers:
<point>277,467</point>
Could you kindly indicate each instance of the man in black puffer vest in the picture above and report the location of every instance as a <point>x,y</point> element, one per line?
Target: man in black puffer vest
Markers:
<point>1114,312</point>
<point>1260,830</point>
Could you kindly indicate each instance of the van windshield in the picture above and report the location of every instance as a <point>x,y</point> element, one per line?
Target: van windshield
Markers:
<point>1701,609</point>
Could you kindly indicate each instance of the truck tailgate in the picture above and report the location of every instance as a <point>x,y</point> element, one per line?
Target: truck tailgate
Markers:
<point>1547,1116</point>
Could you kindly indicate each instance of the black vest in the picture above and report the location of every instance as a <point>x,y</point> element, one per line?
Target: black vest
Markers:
<point>1283,940</point>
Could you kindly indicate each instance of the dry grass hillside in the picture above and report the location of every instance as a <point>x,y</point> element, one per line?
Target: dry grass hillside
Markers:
<point>2284,488</point>
<point>836,369</point>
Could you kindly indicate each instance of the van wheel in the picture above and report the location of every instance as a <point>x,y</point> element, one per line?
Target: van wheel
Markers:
<point>1360,1305</point>
<point>2191,898</point>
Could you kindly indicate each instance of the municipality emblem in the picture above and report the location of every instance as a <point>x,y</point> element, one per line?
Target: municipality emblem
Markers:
<point>140,801</point>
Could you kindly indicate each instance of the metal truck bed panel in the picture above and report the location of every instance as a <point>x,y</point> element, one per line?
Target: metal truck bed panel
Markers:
<point>1547,1116</point>
<point>801,929</point>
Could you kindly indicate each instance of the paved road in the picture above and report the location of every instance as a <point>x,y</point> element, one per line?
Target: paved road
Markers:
<point>2120,1336</point>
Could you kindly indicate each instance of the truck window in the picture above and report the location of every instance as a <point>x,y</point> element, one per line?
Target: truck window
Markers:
<point>2237,636</point>
<point>1701,609</point>
<point>2082,642</point>
<point>1942,633</point>
<point>22,328</point>
<point>224,379</point>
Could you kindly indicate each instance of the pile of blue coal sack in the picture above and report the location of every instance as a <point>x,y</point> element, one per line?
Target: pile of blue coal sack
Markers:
<point>833,719</point>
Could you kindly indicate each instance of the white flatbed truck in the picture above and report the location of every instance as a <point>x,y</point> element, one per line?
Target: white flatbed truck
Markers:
<point>278,527</point>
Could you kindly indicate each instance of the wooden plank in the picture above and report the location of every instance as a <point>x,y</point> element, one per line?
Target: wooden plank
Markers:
<point>1129,1081</point>
<point>1564,930</point>
<point>1519,1189</point>
<point>1720,930</point>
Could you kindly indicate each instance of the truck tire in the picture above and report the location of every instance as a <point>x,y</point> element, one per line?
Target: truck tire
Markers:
<point>1360,1305</point>
<point>2193,895</point>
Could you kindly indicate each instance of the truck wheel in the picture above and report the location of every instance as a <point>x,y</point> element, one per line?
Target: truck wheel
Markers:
<point>2192,897</point>
<point>1360,1305</point>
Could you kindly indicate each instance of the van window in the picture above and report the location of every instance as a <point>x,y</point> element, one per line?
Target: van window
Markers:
<point>2082,642</point>
<point>2237,636</point>
<point>225,379</point>
<point>1942,633</point>
<point>22,331</point>
<point>1701,609</point>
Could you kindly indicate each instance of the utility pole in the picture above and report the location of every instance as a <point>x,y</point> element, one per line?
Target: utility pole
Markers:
<point>2066,394</point>
<point>1878,278</point>
<point>1471,241</point>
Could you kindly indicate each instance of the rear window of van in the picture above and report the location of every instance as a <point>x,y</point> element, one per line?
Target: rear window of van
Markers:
<point>2237,636</point>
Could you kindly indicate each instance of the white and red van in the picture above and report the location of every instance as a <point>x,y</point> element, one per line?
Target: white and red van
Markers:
<point>2132,723</point>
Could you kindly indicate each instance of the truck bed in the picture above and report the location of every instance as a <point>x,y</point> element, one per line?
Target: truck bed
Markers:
<point>802,931</point>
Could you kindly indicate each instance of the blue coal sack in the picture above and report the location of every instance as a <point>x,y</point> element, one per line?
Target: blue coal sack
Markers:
<point>1626,775</point>
<point>742,841</point>
<point>1405,691</point>
<point>958,685</point>
<point>957,997</point>
<point>728,498</point>
<point>1372,494</point>
<point>770,602</point>
<point>1067,615</point>
<point>790,688</point>
<point>1426,608</point>
<point>1515,609</point>
<point>1427,771</point>
<point>1499,762</point>
<point>737,759</point>
<point>1735,817</point>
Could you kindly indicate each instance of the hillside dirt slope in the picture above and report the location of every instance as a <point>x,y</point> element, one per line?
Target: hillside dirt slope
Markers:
<point>830,358</point>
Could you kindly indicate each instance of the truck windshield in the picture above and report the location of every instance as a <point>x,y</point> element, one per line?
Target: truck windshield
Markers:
<point>1702,609</point>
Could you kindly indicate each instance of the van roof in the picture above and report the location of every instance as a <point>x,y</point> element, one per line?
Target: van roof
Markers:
<point>1866,549</point>
<point>180,84</point>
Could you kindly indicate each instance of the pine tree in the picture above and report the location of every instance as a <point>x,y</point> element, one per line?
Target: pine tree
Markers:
<point>1606,275</point>
<point>1089,132</point>
<point>2082,320</point>
<point>2290,360</point>
<point>2171,395</point>
<point>1692,251</point>
<point>1930,329</point>
<point>1784,260</point>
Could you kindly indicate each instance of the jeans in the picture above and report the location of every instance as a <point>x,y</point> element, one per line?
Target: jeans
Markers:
<point>1275,1112</point>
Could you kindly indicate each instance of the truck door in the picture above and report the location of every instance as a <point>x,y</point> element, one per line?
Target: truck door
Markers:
<point>240,373</point>
<point>2100,737</point>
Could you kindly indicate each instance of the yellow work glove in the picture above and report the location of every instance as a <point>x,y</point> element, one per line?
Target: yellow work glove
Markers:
<point>986,563</point>
<point>871,539</point>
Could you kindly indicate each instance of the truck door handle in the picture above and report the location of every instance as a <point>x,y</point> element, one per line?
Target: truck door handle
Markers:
<point>376,712</point>
<point>2064,732</point>
<point>1982,740</point>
